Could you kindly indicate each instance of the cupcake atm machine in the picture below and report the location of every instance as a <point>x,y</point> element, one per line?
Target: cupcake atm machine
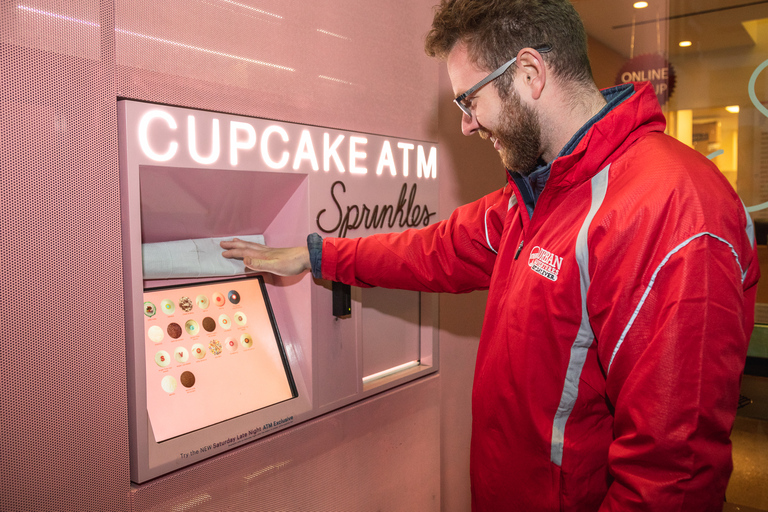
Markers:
<point>218,356</point>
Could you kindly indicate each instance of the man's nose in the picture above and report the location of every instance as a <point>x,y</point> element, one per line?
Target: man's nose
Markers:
<point>469,124</point>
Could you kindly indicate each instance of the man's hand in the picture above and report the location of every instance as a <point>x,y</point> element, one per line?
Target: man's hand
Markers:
<point>289,261</point>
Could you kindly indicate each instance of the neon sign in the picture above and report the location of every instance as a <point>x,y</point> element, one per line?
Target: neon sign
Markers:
<point>275,148</point>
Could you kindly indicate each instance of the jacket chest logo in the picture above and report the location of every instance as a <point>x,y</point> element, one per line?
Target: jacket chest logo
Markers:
<point>545,263</point>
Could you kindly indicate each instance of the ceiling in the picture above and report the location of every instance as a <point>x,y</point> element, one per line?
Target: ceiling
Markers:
<point>711,25</point>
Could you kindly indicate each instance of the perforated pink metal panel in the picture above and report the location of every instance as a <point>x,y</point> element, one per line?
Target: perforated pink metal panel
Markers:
<point>62,358</point>
<point>383,454</point>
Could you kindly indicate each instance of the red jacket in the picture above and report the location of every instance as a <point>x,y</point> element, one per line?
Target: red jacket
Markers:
<point>617,323</point>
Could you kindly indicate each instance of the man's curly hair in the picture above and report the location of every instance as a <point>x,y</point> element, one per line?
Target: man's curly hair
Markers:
<point>495,30</point>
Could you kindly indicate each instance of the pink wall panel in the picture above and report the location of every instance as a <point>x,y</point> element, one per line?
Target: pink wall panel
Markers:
<point>342,64</point>
<point>362,458</point>
<point>62,357</point>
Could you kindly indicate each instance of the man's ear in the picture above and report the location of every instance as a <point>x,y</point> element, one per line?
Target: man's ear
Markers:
<point>534,71</point>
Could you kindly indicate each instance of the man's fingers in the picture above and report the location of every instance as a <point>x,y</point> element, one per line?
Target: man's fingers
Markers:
<point>241,250</point>
<point>236,254</point>
<point>261,258</point>
<point>236,243</point>
<point>257,264</point>
<point>230,244</point>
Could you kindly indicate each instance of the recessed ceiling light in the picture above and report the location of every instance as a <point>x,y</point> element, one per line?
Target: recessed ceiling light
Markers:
<point>733,109</point>
<point>685,44</point>
<point>640,5</point>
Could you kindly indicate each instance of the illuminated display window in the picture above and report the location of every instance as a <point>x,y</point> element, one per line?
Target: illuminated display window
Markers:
<point>237,362</point>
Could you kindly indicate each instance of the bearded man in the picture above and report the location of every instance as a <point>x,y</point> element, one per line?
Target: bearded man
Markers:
<point>621,267</point>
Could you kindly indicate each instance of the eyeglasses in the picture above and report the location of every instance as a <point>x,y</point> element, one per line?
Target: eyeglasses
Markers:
<point>459,100</point>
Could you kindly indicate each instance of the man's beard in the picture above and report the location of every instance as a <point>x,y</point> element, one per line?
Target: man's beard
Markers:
<point>519,135</point>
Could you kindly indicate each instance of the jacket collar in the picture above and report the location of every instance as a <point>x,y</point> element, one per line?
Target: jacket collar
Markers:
<point>630,111</point>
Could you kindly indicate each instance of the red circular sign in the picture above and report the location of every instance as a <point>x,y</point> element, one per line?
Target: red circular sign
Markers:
<point>650,67</point>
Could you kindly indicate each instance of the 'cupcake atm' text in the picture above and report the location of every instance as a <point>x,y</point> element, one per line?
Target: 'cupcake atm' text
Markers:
<point>163,138</point>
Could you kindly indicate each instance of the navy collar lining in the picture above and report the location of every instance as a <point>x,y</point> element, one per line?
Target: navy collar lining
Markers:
<point>532,186</point>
